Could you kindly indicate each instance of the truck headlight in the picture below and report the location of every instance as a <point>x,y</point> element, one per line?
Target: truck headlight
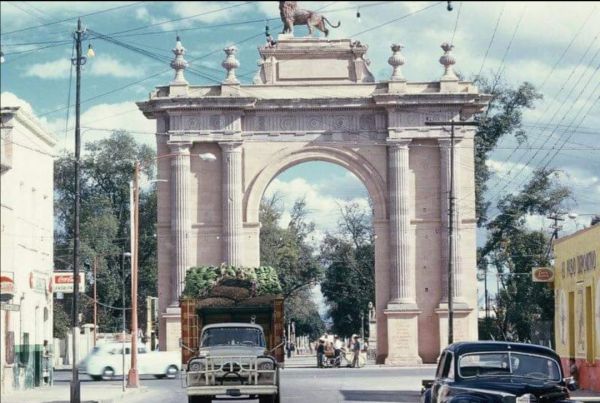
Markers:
<point>266,366</point>
<point>196,366</point>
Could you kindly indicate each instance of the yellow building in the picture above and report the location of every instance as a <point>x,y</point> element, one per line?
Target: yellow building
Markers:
<point>577,304</point>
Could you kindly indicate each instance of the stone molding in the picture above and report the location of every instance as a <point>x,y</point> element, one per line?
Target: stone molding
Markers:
<point>342,156</point>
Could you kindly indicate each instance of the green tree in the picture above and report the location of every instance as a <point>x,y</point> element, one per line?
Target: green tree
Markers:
<point>288,250</point>
<point>349,258</point>
<point>513,250</point>
<point>106,170</point>
<point>502,118</point>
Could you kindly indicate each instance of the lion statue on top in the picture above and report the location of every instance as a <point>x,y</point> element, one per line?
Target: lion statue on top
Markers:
<point>291,15</point>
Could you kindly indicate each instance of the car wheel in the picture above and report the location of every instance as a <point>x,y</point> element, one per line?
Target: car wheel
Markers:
<point>159,376</point>
<point>96,377</point>
<point>172,372</point>
<point>107,374</point>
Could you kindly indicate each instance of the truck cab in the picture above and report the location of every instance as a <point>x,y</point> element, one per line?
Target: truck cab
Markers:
<point>232,361</point>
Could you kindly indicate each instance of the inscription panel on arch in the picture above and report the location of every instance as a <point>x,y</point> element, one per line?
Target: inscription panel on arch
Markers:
<point>343,121</point>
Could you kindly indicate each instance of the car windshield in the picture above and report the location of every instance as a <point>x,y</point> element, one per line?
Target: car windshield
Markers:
<point>509,364</point>
<point>220,336</point>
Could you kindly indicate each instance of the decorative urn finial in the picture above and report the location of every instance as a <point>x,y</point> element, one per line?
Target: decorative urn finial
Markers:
<point>257,79</point>
<point>230,64</point>
<point>179,64</point>
<point>447,60</point>
<point>396,60</point>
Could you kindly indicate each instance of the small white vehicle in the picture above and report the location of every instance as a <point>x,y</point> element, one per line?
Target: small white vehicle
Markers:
<point>233,361</point>
<point>106,361</point>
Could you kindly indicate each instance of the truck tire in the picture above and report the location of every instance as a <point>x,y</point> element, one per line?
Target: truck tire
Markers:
<point>200,399</point>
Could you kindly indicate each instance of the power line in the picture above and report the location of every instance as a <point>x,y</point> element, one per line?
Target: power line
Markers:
<point>456,24</point>
<point>72,18</point>
<point>492,39</point>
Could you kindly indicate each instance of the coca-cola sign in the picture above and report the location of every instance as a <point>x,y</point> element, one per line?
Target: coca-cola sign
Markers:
<point>63,282</point>
<point>542,274</point>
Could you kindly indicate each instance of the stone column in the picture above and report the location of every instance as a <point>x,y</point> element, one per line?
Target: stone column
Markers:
<point>457,286</point>
<point>180,216</point>
<point>403,269</point>
<point>402,312</point>
<point>232,203</point>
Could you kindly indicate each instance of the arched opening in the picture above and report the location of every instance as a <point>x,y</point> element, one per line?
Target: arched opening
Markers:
<point>316,228</point>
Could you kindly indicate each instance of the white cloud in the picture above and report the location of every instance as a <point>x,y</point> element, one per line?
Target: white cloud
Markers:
<point>105,118</point>
<point>50,70</point>
<point>324,209</point>
<point>101,65</point>
<point>106,65</point>
<point>9,99</point>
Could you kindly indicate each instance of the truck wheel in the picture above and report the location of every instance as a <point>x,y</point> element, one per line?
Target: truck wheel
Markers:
<point>200,399</point>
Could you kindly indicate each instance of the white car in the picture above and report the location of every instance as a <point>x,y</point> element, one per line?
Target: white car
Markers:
<point>106,361</point>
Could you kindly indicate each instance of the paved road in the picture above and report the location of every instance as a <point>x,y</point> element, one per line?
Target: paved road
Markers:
<point>298,384</point>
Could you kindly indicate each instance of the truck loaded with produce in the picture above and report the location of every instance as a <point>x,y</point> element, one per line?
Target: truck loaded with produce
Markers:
<point>232,333</point>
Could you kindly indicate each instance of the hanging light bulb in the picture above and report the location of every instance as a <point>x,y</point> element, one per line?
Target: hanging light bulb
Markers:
<point>90,51</point>
<point>358,14</point>
<point>449,7</point>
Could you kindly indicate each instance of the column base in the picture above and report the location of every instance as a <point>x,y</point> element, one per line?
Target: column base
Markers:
<point>172,318</point>
<point>463,330</point>
<point>402,334</point>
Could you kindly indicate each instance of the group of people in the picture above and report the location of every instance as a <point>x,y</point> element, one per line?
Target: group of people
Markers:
<point>326,347</point>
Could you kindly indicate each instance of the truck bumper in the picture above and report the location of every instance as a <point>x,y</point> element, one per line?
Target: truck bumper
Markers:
<point>232,390</point>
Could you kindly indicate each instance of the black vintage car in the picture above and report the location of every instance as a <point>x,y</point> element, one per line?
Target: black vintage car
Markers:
<point>502,372</point>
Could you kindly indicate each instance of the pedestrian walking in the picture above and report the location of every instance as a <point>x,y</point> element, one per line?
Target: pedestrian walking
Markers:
<point>320,353</point>
<point>355,351</point>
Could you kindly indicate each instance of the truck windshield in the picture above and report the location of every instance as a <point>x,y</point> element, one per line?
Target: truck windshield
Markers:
<point>222,336</point>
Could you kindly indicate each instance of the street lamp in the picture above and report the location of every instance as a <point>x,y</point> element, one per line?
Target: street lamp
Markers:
<point>133,377</point>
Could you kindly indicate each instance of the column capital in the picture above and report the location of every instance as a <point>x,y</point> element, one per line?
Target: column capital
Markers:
<point>399,143</point>
<point>180,147</point>
<point>231,146</point>
<point>444,142</point>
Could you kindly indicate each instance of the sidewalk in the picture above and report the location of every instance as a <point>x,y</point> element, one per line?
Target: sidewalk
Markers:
<point>586,396</point>
<point>60,393</point>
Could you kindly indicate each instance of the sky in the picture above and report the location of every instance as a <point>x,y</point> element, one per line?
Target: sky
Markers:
<point>553,45</point>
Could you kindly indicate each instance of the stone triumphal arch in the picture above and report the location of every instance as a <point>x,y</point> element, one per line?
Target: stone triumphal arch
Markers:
<point>315,99</point>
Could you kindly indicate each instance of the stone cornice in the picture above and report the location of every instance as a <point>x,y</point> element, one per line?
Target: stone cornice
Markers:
<point>31,123</point>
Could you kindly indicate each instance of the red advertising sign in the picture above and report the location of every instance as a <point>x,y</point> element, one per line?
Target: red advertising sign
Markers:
<point>63,282</point>
<point>542,274</point>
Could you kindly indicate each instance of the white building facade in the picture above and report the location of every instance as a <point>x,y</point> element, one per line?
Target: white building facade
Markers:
<point>27,174</point>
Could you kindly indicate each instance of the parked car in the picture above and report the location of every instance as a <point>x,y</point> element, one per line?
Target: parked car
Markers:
<point>490,372</point>
<point>106,361</point>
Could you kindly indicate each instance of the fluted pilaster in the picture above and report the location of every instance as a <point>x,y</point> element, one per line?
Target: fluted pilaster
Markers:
<point>180,216</point>
<point>445,167</point>
<point>232,202</point>
<point>403,270</point>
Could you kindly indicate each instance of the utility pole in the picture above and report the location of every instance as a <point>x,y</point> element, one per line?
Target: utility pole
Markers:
<point>95,298</point>
<point>133,377</point>
<point>451,222</point>
<point>78,62</point>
